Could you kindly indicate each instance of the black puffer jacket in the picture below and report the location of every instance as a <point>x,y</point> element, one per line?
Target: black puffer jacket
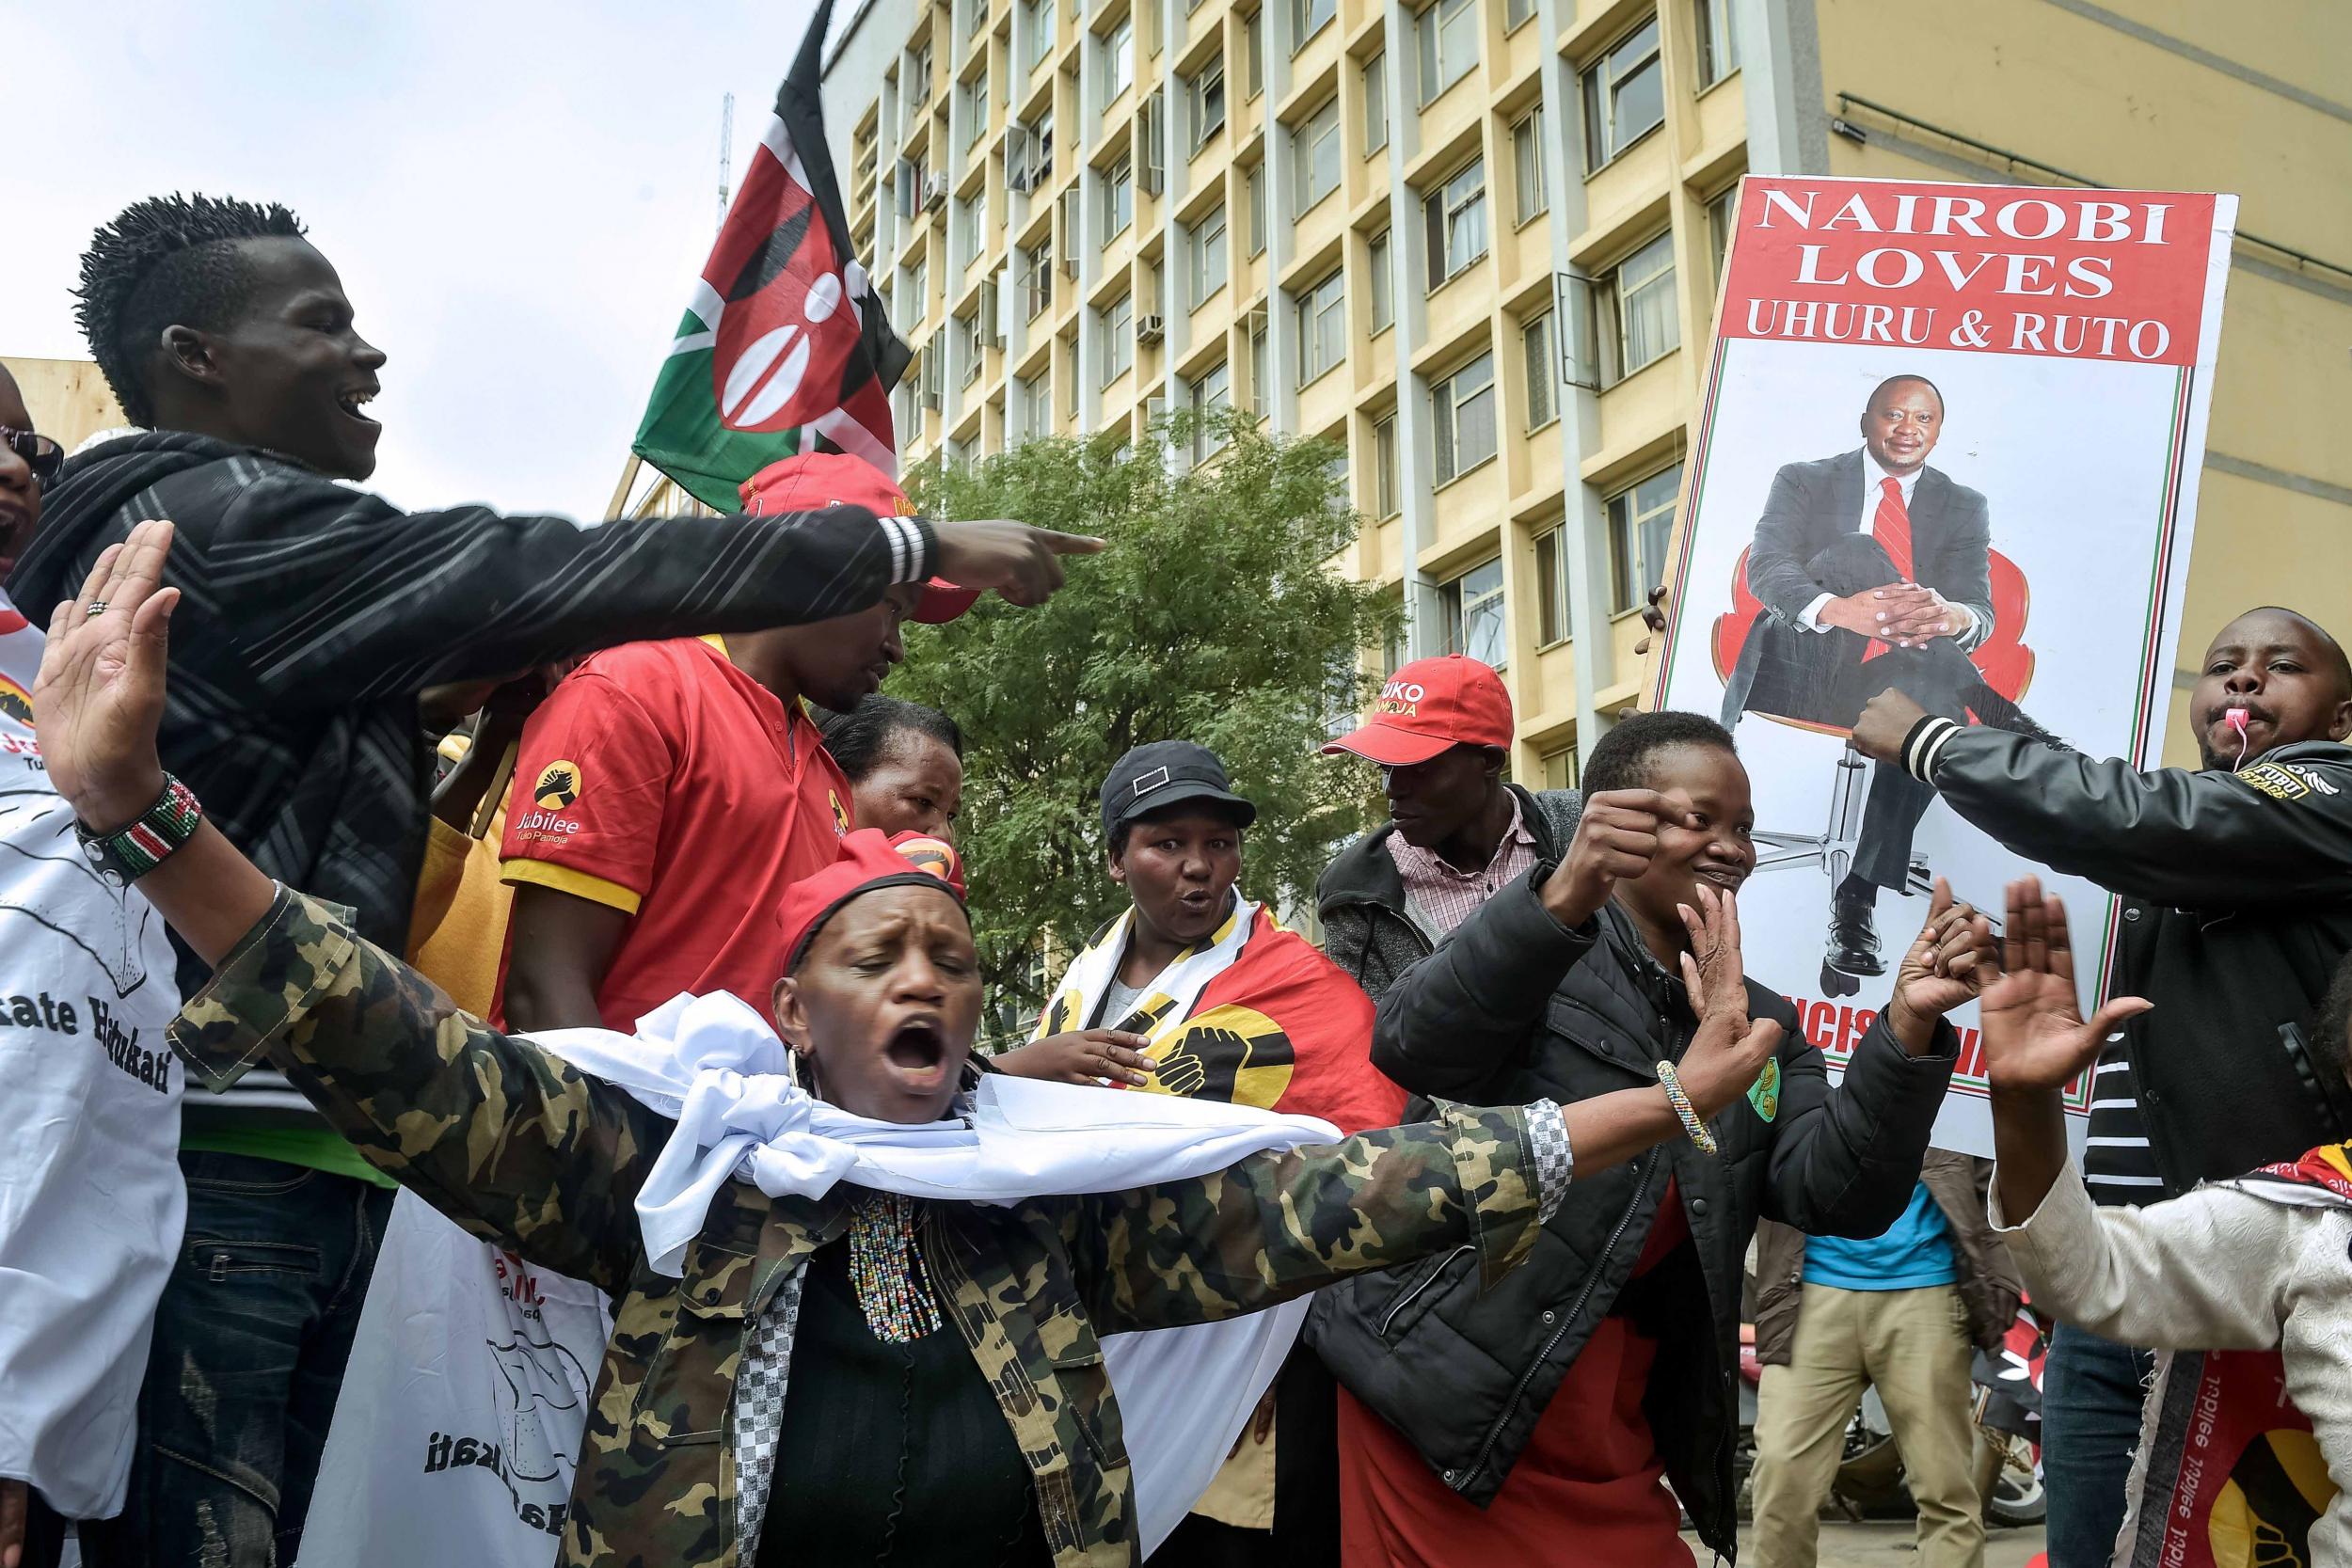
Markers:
<point>1517,1008</point>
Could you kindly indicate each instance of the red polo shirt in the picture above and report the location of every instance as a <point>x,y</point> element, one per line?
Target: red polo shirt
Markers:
<point>660,779</point>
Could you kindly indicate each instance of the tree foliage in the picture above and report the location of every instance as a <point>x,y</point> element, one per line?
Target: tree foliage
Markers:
<point>1213,615</point>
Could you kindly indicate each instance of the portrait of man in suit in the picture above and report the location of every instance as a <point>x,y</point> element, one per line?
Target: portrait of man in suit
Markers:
<point>1874,572</point>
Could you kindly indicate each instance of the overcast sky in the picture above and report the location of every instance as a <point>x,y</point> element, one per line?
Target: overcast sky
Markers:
<point>516,193</point>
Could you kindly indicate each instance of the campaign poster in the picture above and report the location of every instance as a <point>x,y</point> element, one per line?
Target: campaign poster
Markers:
<point>1997,395</point>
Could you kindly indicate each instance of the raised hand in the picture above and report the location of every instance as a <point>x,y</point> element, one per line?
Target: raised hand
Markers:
<point>100,694</point>
<point>2034,1035</point>
<point>1616,836</point>
<point>1886,723</point>
<point>1020,563</point>
<point>1948,962</point>
<point>1713,972</point>
<point>1727,1051</point>
<point>1083,1056</point>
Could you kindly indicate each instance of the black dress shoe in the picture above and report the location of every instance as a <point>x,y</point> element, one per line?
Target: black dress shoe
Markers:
<point>1854,941</point>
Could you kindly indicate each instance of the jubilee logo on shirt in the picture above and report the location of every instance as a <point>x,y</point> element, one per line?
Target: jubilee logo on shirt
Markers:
<point>554,791</point>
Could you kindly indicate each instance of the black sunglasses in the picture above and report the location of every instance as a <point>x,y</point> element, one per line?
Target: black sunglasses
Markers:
<point>43,456</point>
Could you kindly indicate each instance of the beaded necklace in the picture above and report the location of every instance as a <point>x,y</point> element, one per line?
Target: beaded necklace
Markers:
<point>886,1269</point>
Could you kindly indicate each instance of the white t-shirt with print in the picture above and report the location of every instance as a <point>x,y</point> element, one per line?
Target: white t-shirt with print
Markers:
<point>90,1195</point>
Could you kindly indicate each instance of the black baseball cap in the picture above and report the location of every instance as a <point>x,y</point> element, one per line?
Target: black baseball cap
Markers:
<point>1165,773</point>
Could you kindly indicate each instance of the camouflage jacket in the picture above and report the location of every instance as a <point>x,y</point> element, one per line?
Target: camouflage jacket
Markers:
<point>521,1150</point>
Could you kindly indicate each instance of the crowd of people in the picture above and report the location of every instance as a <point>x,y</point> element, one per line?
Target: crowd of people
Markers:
<point>578,888</point>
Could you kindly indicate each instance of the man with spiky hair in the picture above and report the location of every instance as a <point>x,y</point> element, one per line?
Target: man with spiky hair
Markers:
<point>317,615</point>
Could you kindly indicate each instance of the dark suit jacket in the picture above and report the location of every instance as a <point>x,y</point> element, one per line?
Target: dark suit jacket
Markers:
<point>1796,674</point>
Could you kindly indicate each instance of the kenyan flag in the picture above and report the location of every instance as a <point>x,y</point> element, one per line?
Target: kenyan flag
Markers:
<point>783,349</point>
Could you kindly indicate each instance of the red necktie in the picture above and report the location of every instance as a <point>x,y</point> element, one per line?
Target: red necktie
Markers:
<point>1891,526</point>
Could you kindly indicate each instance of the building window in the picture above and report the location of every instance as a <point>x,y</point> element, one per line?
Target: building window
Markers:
<point>1118,60</point>
<point>1474,614</point>
<point>1322,328</point>
<point>1118,338</point>
<point>1633,305</point>
<point>1037,405</point>
<point>1041,26</point>
<point>1463,407</point>
<point>975,109</point>
<point>1527,166</point>
<point>1376,103</point>
<point>1257,366</point>
<point>1205,92</point>
<point>1254,184</point>
<point>1641,524</point>
<point>961,248</point>
<point>1719,42</point>
<point>968,346</point>
<point>1625,96</point>
<point>1210,394</point>
<point>1445,34</point>
<point>1253,40</point>
<point>1308,18</point>
<point>1383,287</point>
<point>1036,272</point>
<point>1543,371</point>
<point>1384,494</point>
<point>1722,213</point>
<point>1315,156</point>
<point>1118,196</point>
<point>917,292</point>
<point>1456,214</point>
<point>1551,587</point>
<point>1204,257</point>
<point>1517,11</point>
<point>1561,768</point>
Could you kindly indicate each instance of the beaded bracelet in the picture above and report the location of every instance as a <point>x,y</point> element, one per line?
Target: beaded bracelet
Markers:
<point>1683,1109</point>
<point>134,851</point>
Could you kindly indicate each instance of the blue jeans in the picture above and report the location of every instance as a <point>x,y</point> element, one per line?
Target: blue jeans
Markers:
<point>2092,1393</point>
<point>250,1340</point>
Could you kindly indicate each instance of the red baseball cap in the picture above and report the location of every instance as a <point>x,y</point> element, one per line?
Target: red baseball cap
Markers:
<point>868,860</point>
<point>810,481</point>
<point>1428,707</point>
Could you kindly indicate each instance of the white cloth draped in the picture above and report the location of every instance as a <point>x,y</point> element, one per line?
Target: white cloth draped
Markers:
<point>714,1067</point>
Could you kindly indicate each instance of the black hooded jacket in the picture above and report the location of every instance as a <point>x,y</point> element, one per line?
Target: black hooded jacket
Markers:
<point>312,614</point>
<point>1516,1008</point>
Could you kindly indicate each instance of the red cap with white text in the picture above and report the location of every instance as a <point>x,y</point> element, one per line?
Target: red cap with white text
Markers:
<point>1430,706</point>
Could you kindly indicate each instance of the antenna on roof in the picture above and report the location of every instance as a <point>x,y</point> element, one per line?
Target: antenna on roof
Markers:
<point>726,156</point>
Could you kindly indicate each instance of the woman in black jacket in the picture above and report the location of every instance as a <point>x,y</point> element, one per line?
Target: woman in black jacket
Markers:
<point>1608,1361</point>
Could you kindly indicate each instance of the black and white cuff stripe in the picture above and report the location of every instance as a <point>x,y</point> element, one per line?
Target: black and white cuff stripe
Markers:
<point>1555,1158</point>
<point>1924,746</point>
<point>912,545</point>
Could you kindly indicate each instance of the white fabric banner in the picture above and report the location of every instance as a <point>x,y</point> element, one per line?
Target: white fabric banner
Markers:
<point>474,1368</point>
<point>91,1197</point>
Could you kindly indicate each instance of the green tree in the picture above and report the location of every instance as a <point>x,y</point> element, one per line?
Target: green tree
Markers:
<point>1213,615</point>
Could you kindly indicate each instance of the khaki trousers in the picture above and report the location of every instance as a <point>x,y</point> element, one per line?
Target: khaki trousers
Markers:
<point>1912,1346</point>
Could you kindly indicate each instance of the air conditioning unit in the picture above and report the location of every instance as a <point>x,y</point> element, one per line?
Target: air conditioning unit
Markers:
<point>935,191</point>
<point>1150,329</point>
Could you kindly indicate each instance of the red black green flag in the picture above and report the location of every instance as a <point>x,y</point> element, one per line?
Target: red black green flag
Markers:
<point>785,348</point>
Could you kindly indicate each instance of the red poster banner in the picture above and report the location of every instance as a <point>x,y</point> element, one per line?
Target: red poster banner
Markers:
<point>2088,274</point>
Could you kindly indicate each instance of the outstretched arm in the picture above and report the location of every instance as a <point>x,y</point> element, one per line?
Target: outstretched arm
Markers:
<point>499,1134</point>
<point>332,595</point>
<point>1276,1225</point>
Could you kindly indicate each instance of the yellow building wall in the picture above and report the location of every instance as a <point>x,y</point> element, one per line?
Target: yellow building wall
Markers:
<point>2186,94</point>
<point>2274,513</point>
